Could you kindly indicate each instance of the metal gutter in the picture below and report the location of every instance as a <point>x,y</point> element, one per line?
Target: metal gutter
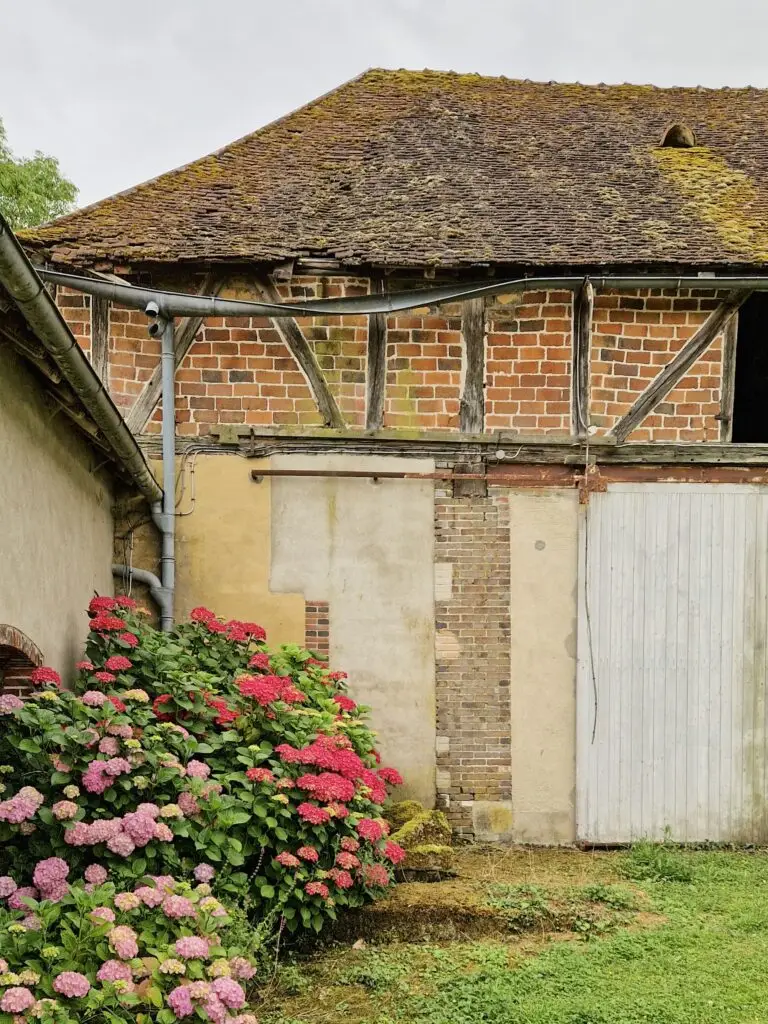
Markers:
<point>20,280</point>
<point>170,304</point>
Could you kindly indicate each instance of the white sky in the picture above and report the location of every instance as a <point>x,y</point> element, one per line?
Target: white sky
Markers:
<point>121,92</point>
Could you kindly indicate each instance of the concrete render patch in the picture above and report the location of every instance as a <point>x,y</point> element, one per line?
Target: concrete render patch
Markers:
<point>492,820</point>
<point>368,549</point>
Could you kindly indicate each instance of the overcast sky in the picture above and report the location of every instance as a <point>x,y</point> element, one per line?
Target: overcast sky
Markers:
<point>121,92</point>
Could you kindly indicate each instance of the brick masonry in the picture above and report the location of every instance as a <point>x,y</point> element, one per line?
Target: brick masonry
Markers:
<point>240,371</point>
<point>472,652</point>
<point>317,625</point>
<point>18,656</point>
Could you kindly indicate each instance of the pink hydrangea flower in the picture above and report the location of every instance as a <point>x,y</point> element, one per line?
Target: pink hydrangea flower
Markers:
<point>165,882</point>
<point>151,809</point>
<point>123,940</point>
<point>192,947</point>
<point>129,639</point>
<point>7,888</point>
<point>198,769</point>
<point>215,1010</point>
<point>178,906</point>
<point>105,677</point>
<point>347,860</point>
<point>84,665</point>
<point>117,766</point>
<point>127,901</point>
<point>316,889</point>
<point>109,746</point>
<point>241,968</point>
<point>71,984</point>
<point>287,860</point>
<point>125,732</point>
<point>77,835</point>
<point>180,1001</point>
<point>139,827</point>
<point>9,702</point>
<point>204,873</point>
<point>150,897</point>
<point>16,1000</point>
<point>25,892</point>
<point>102,914</point>
<point>308,853</point>
<point>162,833</point>
<point>50,878</point>
<point>230,993</point>
<point>96,874</point>
<point>114,970</point>
<point>64,810</point>
<point>121,844</point>
<point>17,809</point>
<point>188,804</point>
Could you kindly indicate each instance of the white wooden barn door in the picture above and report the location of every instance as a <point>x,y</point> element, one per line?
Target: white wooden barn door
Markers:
<point>671,679</point>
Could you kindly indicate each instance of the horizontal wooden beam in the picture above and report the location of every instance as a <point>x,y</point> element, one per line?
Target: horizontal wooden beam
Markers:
<point>676,369</point>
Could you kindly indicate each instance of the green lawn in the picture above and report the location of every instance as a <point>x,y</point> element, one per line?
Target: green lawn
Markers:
<point>655,937</point>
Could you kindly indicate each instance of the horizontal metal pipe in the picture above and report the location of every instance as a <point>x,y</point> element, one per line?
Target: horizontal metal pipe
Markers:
<point>26,289</point>
<point>171,304</point>
<point>362,474</point>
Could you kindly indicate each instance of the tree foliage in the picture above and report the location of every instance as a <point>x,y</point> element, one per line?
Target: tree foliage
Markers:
<point>33,189</point>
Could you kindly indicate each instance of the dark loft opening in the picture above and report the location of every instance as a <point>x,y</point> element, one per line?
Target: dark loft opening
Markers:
<point>750,394</point>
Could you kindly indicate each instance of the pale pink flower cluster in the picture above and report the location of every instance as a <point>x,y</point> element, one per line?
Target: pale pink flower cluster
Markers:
<point>122,835</point>
<point>204,872</point>
<point>99,775</point>
<point>7,888</point>
<point>93,698</point>
<point>21,807</point>
<point>25,892</point>
<point>123,940</point>
<point>50,877</point>
<point>242,968</point>
<point>178,906</point>
<point>114,970</point>
<point>109,746</point>
<point>64,810</point>
<point>198,770</point>
<point>102,914</point>
<point>192,947</point>
<point>16,1000</point>
<point>127,901</point>
<point>96,874</point>
<point>149,897</point>
<point>9,702</point>
<point>71,984</point>
<point>125,732</point>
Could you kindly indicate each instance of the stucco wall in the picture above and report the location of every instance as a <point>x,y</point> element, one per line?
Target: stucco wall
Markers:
<point>55,521</point>
<point>368,549</point>
<point>543,556</point>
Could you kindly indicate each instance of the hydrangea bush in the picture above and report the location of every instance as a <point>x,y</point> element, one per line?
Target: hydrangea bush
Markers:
<point>195,753</point>
<point>88,951</point>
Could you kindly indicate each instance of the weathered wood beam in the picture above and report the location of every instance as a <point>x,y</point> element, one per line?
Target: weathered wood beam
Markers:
<point>376,369</point>
<point>674,371</point>
<point>100,335</point>
<point>301,351</point>
<point>728,389</point>
<point>186,330</point>
<point>583,305</point>
<point>472,404</point>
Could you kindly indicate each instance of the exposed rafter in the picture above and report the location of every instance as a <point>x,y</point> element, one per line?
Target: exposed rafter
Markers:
<point>675,370</point>
<point>472,405</point>
<point>583,303</point>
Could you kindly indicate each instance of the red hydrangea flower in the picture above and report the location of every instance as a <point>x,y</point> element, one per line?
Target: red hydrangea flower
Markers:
<point>375,874</point>
<point>123,601</point>
<point>370,829</point>
<point>107,624</point>
<point>119,706</point>
<point>336,677</point>
<point>342,879</point>
<point>347,860</point>
<point>104,677</point>
<point>43,675</point>
<point>130,639</point>
<point>345,703</point>
<point>391,775</point>
<point>313,814</point>
<point>118,663</point>
<point>84,666</point>
<point>337,810</point>
<point>260,660</point>
<point>350,843</point>
<point>288,754</point>
<point>393,852</point>
<point>158,702</point>
<point>201,614</point>
<point>317,889</point>
<point>327,786</point>
<point>308,853</point>
<point>215,626</point>
<point>101,604</point>
<point>259,775</point>
<point>377,788</point>
<point>287,860</point>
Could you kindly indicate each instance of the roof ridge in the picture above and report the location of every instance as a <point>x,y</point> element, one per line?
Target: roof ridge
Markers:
<point>30,232</point>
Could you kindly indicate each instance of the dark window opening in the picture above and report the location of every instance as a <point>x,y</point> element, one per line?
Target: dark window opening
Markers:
<point>679,136</point>
<point>750,393</point>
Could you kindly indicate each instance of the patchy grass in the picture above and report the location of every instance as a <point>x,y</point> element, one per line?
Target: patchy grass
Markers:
<point>687,945</point>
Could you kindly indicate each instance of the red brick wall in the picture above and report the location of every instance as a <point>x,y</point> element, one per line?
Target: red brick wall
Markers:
<point>634,336</point>
<point>473,654</point>
<point>528,363</point>
<point>317,625</point>
<point>241,372</point>
<point>18,656</point>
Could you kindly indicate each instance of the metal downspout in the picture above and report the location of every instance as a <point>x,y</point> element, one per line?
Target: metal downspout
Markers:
<point>165,515</point>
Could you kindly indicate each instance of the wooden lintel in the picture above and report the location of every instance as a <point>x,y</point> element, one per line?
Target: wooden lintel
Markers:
<point>301,351</point>
<point>376,369</point>
<point>583,304</point>
<point>186,330</point>
<point>100,308</point>
<point>679,366</point>
<point>472,405</point>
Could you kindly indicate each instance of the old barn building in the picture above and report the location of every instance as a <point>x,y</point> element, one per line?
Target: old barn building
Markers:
<point>558,611</point>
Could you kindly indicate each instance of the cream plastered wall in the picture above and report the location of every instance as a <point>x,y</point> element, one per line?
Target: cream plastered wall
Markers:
<point>543,556</point>
<point>55,521</point>
<point>368,549</point>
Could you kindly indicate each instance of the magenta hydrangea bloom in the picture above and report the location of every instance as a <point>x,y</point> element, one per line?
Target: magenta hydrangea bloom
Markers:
<point>7,886</point>
<point>121,844</point>
<point>215,1009</point>
<point>192,947</point>
<point>230,993</point>
<point>71,984</point>
<point>178,906</point>
<point>140,828</point>
<point>150,897</point>
<point>180,1001</point>
<point>16,899</point>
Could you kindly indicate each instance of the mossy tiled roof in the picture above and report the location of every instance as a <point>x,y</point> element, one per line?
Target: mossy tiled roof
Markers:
<point>433,168</point>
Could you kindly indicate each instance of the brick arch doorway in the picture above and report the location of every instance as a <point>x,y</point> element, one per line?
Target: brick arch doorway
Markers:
<point>18,656</point>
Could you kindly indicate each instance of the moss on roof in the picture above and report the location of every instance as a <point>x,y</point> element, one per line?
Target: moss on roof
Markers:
<point>407,168</point>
